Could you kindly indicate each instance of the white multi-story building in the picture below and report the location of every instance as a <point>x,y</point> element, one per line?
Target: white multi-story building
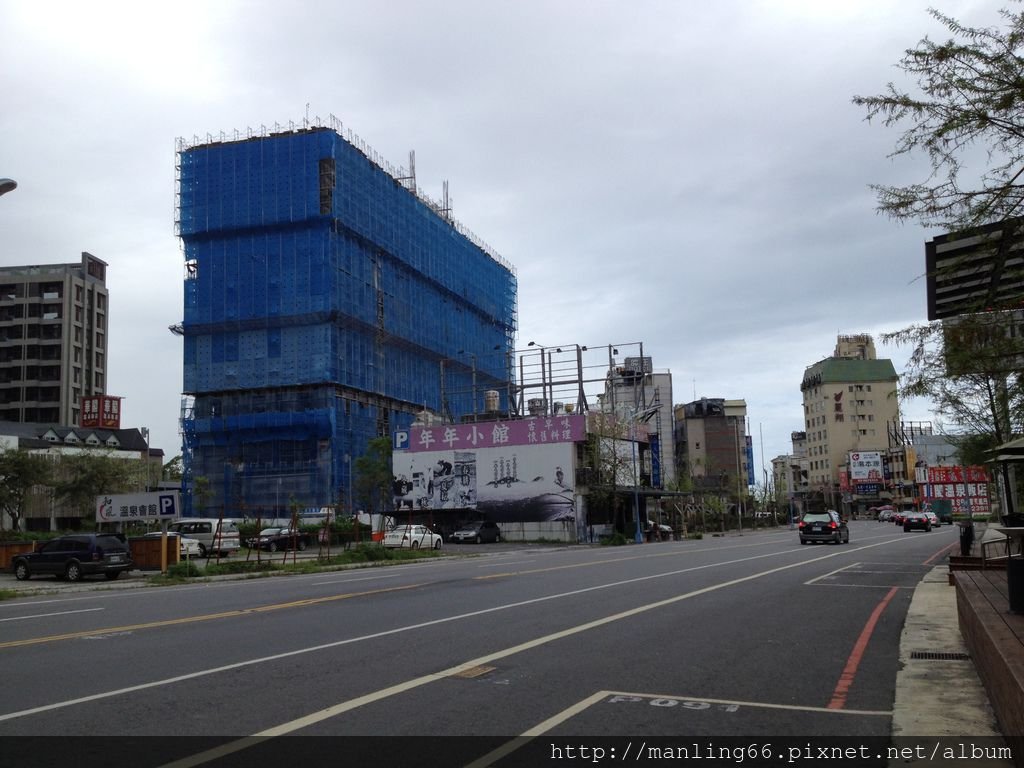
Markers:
<point>848,399</point>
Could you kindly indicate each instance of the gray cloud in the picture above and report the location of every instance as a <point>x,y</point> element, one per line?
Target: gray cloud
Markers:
<point>688,175</point>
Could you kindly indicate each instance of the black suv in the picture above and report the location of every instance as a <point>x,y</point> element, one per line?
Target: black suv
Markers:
<point>824,526</point>
<point>74,556</point>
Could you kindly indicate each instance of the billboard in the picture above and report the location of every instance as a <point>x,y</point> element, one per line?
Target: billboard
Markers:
<point>966,489</point>
<point>102,411</point>
<point>514,483</point>
<point>865,466</point>
<point>518,471</point>
<point>536,431</point>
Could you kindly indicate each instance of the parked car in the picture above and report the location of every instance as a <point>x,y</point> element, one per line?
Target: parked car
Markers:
<point>824,526</point>
<point>934,518</point>
<point>898,517</point>
<point>187,547</point>
<point>213,535</point>
<point>478,532</point>
<point>917,521</point>
<point>884,515</point>
<point>73,556</point>
<point>273,539</point>
<point>412,537</point>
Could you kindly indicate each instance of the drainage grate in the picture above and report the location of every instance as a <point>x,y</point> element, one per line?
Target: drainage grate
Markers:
<point>940,655</point>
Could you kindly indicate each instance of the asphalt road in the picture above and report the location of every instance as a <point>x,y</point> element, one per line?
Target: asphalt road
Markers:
<point>752,637</point>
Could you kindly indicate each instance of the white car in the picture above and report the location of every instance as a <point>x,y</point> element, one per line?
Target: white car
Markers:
<point>187,547</point>
<point>212,534</point>
<point>412,537</point>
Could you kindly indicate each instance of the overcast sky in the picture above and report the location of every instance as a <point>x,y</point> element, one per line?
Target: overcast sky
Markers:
<point>690,175</point>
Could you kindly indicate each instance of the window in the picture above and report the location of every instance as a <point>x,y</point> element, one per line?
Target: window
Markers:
<point>99,341</point>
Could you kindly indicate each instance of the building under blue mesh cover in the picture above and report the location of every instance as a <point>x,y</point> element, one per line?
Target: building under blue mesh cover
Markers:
<point>323,299</point>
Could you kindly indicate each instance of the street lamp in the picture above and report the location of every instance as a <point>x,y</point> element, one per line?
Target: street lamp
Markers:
<point>7,185</point>
<point>640,416</point>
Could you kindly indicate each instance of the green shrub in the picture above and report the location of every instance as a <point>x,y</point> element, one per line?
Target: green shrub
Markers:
<point>240,566</point>
<point>371,552</point>
<point>184,569</point>
<point>615,540</point>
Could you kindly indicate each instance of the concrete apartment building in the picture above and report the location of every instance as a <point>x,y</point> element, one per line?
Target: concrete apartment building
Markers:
<point>791,472</point>
<point>849,400</point>
<point>53,339</point>
<point>636,390</point>
<point>712,444</point>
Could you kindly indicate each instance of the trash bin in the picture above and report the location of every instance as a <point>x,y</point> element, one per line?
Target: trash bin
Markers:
<point>966,538</point>
<point>1015,582</point>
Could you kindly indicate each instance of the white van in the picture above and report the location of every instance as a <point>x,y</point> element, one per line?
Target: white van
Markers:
<point>212,539</point>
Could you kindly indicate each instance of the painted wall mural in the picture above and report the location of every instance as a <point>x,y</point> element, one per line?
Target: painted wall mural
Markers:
<point>519,471</point>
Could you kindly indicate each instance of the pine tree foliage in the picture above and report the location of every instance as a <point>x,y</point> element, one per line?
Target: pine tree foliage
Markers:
<point>968,108</point>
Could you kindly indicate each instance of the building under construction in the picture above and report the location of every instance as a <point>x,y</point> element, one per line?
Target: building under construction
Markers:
<point>327,301</point>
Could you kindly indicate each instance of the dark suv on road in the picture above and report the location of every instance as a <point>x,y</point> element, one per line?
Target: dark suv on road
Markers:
<point>76,555</point>
<point>828,526</point>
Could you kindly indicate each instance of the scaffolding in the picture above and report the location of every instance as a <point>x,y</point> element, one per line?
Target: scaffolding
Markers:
<point>323,290</point>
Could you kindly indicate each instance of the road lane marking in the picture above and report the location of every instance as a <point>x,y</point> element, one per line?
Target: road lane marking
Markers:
<point>350,581</point>
<point>830,573</point>
<point>694,568</point>
<point>941,552</point>
<point>56,613</point>
<point>849,672</point>
<point>864,586</point>
<point>327,713</point>
<point>506,562</point>
<point>385,693</point>
<point>568,713</point>
<point>203,617</point>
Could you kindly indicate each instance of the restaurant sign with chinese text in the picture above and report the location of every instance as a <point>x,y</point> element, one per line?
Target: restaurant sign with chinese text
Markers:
<point>566,428</point>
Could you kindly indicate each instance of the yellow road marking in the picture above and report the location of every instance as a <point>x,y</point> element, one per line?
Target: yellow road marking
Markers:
<point>204,617</point>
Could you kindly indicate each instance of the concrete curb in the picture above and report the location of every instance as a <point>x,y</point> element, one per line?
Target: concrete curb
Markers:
<point>942,696</point>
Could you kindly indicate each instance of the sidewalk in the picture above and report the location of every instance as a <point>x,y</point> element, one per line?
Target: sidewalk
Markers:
<point>938,690</point>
